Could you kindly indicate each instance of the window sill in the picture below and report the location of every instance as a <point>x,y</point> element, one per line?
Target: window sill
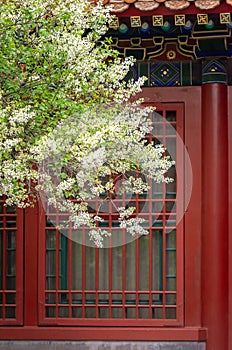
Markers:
<point>104,333</point>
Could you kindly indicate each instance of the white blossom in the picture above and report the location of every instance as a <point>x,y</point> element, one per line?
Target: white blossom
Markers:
<point>134,227</point>
<point>83,218</point>
<point>22,115</point>
<point>125,213</point>
<point>97,236</point>
<point>68,129</point>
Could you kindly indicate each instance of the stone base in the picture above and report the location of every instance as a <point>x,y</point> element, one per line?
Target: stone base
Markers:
<point>99,345</point>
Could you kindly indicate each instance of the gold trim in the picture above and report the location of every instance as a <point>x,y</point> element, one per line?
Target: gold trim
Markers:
<point>202,18</point>
<point>158,20</point>
<point>159,42</point>
<point>171,55</point>
<point>225,18</point>
<point>179,20</point>
<point>135,42</point>
<point>188,51</point>
<point>135,21</point>
<point>194,34</point>
<point>181,50</point>
<point>159,51</point>
<point>134,49</point>
<point>115,42</point>
<point>114,24</point>
<point>185,37</point>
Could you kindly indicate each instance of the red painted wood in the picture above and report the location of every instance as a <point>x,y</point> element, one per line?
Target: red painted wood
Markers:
<point>70,279</point>
<point>167,320</point>
<point>19,264</point>
<point>97,280</point>
<point>58,264</point>
<point>31,267</point>
<point>41,265</point>
<point>191,97</point>
<point>230,211</point>
<point>193,213</point>
<point>103,333</point>
<point>180,211</point>
<point>11,310</point>
<point>215,215</point>
<point>4,267</point>
<point>162,10</point>
<point>150,253</point>
<point>110,266</point>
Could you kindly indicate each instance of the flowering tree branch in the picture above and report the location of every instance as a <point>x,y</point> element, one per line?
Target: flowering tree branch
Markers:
<point>67,126</point>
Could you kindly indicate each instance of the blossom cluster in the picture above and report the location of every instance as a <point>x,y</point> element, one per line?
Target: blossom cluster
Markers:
<point>68,130</point>
<point>105,157</point>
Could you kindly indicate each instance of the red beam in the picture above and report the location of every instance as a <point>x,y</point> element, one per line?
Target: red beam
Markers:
<point>162,10</point>
<point>103,333</point>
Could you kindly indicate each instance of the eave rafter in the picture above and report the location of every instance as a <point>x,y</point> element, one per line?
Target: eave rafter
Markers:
<point>121,6</point>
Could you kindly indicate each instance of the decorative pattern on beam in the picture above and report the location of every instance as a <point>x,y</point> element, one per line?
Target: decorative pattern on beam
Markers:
<point>175,37</point>
<point>183,73</point>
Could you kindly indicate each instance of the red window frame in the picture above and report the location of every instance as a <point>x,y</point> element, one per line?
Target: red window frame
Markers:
<point>178,321</point>
<point>16,293</point>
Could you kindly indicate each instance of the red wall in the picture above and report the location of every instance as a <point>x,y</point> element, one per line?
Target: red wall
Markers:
<point>208,300</point>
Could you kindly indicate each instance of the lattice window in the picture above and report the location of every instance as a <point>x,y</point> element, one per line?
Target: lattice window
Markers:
<point>138,283</point>
<point>11,229</point>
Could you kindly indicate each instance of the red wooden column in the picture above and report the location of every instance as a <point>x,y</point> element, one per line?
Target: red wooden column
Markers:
<point>230,211</point>
<point>215,215</point>
<point>31,267</point>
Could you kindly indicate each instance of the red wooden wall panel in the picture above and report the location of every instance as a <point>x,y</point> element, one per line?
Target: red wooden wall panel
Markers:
<point>34,261</point>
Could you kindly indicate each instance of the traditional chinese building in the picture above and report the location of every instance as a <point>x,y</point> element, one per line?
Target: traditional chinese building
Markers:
<point>171,289</point>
